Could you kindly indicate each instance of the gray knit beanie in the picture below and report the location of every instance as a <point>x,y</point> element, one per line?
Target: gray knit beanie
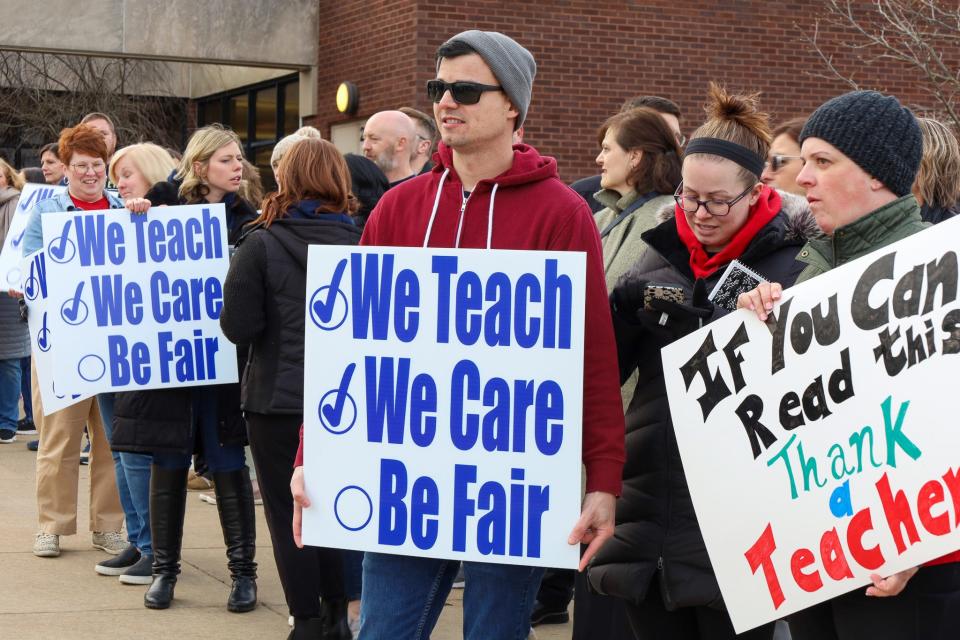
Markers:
<point>873,130</point>
<point>512,65</point>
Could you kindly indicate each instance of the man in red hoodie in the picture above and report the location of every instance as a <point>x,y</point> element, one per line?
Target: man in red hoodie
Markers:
<point>484,192</point>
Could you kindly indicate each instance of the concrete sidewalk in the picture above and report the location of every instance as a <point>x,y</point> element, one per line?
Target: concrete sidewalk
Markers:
<point>64,598</point>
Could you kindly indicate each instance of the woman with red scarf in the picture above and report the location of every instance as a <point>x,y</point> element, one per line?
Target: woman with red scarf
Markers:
<point>657,560</point>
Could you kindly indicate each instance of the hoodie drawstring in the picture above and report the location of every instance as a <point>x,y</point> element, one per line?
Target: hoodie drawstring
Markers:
<point>436,206</point>
<point>493,194</point>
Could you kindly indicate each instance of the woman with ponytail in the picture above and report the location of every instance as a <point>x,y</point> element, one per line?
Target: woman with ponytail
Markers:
<point>657,560</point>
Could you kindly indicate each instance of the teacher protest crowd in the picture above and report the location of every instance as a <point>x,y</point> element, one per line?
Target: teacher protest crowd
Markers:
<point>244,294</point>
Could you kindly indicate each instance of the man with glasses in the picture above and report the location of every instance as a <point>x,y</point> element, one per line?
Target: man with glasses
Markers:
<point>426,141</point>
<point>388,138</point>
<point>670,112</point>
<point>488,194</point>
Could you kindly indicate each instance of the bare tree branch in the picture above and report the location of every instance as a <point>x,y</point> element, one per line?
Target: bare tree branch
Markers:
<point>922,35</point>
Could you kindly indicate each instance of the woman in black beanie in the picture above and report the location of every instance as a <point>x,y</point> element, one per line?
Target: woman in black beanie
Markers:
<point>861,152</point>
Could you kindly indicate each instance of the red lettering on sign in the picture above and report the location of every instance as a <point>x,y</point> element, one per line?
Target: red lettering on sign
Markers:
<point>759,556</point>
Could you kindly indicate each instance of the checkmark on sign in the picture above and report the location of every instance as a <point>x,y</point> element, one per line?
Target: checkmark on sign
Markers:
<point>43,337</point>
<point>62,249</point>
<point>16,241</point>
<point>323,304</point>
<point>333,406</point>
<point>74,310</point>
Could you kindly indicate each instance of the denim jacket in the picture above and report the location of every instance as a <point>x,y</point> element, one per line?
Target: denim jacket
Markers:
<point>33,235</point>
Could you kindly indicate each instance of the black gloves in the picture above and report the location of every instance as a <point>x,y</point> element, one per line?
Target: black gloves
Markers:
<point>672,320</point>
<point>665,321</point>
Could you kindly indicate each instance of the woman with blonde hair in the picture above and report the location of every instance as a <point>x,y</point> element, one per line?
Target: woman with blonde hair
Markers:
<point>136,168</point>
<point>263,304</point>
<point>937,186</point>
<point>174,424</point>
<point>133,169</point>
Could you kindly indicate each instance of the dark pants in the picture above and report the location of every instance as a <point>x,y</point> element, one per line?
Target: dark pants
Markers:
<point>26,391</point>
<point>651,621</point>
<point>927,609</point>
<point>556,588</point>
<point>306,574</point>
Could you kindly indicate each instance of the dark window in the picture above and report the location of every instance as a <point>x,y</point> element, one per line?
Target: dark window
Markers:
<point>261,114</point>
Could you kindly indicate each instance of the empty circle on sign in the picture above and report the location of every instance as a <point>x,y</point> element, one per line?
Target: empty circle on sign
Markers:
<point>353,508</point>
<point>91,367</point>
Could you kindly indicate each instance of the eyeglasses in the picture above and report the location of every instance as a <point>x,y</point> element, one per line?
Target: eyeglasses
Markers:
<point>82,168</point>
<point>716,208</point>
<point>462,92</point>
<point>776,162</point>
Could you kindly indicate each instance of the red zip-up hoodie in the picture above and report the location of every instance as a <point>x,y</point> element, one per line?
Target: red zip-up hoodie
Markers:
<point>525,207</point>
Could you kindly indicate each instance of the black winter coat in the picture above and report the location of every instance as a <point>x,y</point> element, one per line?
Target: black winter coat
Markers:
<point>657,534</point>
<point>162,420</point>
<point>264,304</point>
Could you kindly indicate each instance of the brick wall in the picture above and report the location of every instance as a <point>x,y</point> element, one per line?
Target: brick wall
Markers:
<point>591,55</point>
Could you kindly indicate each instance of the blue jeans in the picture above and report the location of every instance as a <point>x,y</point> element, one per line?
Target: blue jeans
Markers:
<point>26,392</point>
<point>403,597</point>
<point>9,393</point>
<point>133,483</point>
<point>218,458</point>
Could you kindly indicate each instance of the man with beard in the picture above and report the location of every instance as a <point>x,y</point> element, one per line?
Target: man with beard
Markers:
<point>388,138</point>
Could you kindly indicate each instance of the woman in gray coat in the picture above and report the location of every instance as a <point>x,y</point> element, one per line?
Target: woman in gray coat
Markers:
<point>14,339</point>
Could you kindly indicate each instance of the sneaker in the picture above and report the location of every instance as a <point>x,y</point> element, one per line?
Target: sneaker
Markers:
<point>459,581</point>
<point>140,573</point>
<point>7,436</point>
<point>46,545</point>
<point>33,445</point>
<point>116,565</point>
<point>354,624</point>
<point>543,614</point>
<point>25,427</point>
<point>110,541</point>
<point>198,483</point>
<point>85,453</point>
<point>209,498</point>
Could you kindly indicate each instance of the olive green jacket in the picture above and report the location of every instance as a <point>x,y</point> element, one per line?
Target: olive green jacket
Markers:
<point>879,228</point>
<point>622,247</point>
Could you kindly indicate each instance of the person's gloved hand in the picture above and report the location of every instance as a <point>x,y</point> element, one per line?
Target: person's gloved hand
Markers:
<point>626,299</point>
<point>23,310</point>
<point>668,321</point>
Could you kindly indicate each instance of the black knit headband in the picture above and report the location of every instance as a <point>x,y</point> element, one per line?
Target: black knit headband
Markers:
<point>744,157</point>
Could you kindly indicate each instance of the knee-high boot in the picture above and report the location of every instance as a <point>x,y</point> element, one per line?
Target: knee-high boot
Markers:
<point>237,518</point>
<point>168,498</point>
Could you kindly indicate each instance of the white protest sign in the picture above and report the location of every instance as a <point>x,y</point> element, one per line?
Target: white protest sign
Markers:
<point>140,298</point>
<point>10,257</point>
<point>822,447</point>
<point>443,402</point>
<point>35,293</point>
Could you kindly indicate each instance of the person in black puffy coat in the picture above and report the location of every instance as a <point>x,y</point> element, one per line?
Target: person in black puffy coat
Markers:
<point>176,423</point>
<point>657,561</point>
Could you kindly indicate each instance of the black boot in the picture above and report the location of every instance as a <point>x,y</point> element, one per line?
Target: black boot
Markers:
<point>168,498</point>
<point>333,613</point>
<point>238,521</point>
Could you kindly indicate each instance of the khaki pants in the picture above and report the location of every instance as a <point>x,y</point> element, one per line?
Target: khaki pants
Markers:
<point>58,467</point>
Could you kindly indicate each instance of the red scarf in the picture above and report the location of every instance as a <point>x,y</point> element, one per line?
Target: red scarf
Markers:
<point>703,264</point>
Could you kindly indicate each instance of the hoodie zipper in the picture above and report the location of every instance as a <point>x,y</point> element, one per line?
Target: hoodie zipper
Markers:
<point>463,210</point>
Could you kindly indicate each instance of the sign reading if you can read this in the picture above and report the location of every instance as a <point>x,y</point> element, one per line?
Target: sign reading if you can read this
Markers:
<point>133,301</point>
<point>443,402</point>
<point>822,446</point>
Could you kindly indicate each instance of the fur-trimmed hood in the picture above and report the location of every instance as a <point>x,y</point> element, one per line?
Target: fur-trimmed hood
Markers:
<point>799,223</point>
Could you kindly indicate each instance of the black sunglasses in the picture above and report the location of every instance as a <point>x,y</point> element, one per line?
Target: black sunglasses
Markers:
<point>778,161</point>
<point>462,92</point>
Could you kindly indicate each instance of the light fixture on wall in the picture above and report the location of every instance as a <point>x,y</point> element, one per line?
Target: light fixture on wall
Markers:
<point>348,98</point>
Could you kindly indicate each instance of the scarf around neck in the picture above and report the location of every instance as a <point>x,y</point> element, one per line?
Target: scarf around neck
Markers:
<point>703,264</point>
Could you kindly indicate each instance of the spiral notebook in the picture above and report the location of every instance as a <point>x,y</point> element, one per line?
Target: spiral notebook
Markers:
<point>736,279</point>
